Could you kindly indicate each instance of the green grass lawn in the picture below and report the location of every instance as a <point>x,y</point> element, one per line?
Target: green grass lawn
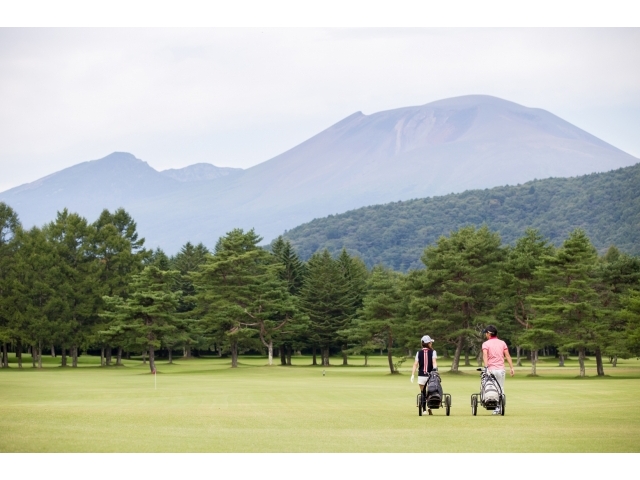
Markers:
<point>202,405</point>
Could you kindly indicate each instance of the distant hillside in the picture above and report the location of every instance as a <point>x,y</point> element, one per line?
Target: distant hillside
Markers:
<point>605,205</point>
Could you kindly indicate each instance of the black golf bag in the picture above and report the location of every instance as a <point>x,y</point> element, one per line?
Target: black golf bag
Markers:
<point>433,390</point>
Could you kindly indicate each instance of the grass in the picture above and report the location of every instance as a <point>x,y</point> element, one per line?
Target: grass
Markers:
<point>202,405</point>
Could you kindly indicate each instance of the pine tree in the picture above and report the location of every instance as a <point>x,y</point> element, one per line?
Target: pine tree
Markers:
<point>148,314</point>
<point>518,283</point>
<point>325,298</point>
<point>458,290</point>
<point>240,292</point>
<point>9,227</point>
<point>382,312</point>
<point>569,305</point>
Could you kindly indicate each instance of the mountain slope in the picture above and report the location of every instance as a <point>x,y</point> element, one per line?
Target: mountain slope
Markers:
<point>114,181</point>
<point>605,205</point>
<point>446,146</point>
<point>199,172</point>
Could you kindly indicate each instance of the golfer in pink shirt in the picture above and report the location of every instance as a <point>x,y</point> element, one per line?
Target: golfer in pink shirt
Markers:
<point>494,352</point>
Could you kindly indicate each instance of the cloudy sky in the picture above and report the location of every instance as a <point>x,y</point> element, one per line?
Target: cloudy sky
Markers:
<point>237,97</point>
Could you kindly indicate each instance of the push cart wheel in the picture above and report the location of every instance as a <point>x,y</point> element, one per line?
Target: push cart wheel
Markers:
<point>474,406</point>
<point>447,405</point>
<point>504,404</point>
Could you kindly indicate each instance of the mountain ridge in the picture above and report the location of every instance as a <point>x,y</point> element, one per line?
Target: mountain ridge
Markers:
<point>442,147</point>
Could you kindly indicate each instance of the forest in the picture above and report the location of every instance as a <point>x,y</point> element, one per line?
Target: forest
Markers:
<point>605,205</point>
<point>73,287</point>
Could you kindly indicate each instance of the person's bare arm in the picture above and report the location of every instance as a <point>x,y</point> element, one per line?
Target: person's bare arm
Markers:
<point>508,357</point>
<point>435,363</point>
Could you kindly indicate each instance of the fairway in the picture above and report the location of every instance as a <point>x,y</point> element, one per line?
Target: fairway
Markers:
<point>202,405</point>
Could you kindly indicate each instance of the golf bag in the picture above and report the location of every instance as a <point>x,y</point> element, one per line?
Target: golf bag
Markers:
<point>490,390</point>
<point>433,390</point>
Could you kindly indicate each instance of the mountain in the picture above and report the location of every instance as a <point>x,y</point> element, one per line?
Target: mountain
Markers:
<point>442,147</point>
<point>199,172</point>
<point>116,180</point>
<point>605,205</point>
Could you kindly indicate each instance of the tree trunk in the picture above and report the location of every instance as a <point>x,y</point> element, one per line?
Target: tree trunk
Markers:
<point>5,356</point>
<point>467,363</point>
<point>534,362</point>
<point>128,356</point>
<point>518,358</point>
<point>560,360</point>
<point>144,357</point>
<point>289,355</point>
<point>581,361</point>
<point>456,356</point>
<point>187,352</point>
<point>40,354</point>
<point>33,356</point>
<point>108,356</point>
<point>170,355</point>
<point>283,355</point>
<point>119,357</point>
<point>234,353</point>
<point>53,351</point>
<point>152,359</point>
<point>479,358</point>
<point>390,360</point>
<point>315,360</point>
<point>325,357</point>
<point>19,354</point>
<point>615,361</point>
<point>102,357</point>
<point>63,353</point>
<point>270,352</point>
<point>345,360</point>
<point>74,356</point>
<point>599,366</point>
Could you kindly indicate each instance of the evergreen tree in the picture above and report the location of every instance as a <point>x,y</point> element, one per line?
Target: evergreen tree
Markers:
<point>9,226</point>
<point>240,292</point>
<point>458,290</point>
<point>382,311</point>
<point>569,305</point>
<point>518,283</point>
<point>149,311</point>
<point>325,298</point>
<point>77,286</point>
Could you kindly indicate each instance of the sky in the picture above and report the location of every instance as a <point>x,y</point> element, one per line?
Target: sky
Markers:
<point>236,97</point>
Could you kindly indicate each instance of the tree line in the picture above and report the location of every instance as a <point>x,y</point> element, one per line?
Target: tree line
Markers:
<point>74,286</point>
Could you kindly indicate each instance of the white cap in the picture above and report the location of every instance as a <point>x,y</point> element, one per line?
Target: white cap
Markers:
<point>426,339</point>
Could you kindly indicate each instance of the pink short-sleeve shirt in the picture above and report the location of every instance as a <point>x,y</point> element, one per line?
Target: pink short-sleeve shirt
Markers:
<point>495,353</point>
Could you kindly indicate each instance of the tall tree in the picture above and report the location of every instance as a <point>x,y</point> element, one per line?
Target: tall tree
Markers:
<point>9,226</point>
<point>325,298</point>
<point>382,311</point>
<point>457,290</point>
<point>569,304</point>
<point>149,311</point>
<point>518,283</point>
<point>239,289</point>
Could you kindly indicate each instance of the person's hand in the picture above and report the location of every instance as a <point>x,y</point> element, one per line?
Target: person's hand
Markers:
<point>412,378</point>
<point>435,369</point>
<point>512,372</point>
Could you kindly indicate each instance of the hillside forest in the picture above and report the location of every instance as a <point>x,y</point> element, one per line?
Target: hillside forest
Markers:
<point>73,287</point>
<point>605,205</point>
